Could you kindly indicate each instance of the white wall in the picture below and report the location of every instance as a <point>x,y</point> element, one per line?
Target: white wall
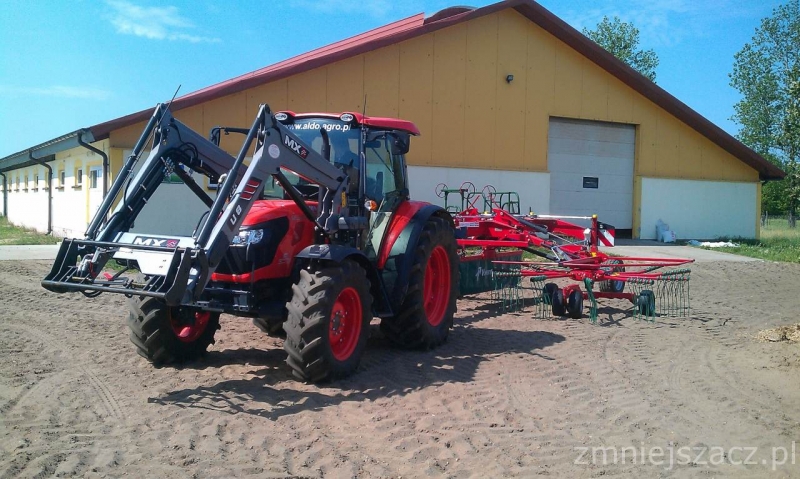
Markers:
<point>27,205</point>
<point>70,212</point>
<point>699,209</point>
<point>533,188</point>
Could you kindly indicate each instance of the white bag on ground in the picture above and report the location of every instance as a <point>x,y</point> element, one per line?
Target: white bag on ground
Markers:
<point>667,236</point>
<point>660,228</point>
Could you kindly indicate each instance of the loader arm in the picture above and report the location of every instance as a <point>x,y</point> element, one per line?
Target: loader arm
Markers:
<point>186,266</point>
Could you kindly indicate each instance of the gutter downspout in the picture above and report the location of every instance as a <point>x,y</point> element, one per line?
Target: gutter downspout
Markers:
<point>5,195</point>
<point>49,190</point>
<point>105,161</point>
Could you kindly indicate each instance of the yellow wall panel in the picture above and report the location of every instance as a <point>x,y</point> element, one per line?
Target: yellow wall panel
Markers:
<point>192,117</point>
<point>382,81</point>
<point>594,92</point>
<point>274,94</point>
<point>568,82</point>
<point>345,85</point>
<point>449,91</point>
<point>230,110</point>
<point>416,93</point>
<point>307,91</point>
<point>481,92</point>
<point>668,163</point>
<point>539,96</point>
<point>512,57</point>
<point>620,102</point>
<point>646,138</point>
<point>126,137</point>
<point>690,154</point>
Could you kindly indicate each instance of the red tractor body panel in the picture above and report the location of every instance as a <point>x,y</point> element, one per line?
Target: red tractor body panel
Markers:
<point>398,223</point>
<point>300,235</point>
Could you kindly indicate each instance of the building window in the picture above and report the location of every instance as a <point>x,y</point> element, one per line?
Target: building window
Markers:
<point>62,177</point>
<point>36,182</point>
<point>78,178</point>
<point>25,185</point>
<point>94,177</point>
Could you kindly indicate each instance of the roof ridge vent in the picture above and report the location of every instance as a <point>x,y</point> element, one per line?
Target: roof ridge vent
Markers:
<point>447,13</point>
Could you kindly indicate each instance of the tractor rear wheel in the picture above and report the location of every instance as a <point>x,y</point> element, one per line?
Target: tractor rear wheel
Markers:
<point>328,323</point>
<point>271,326</point>
<point>426,315</point>
<point>165,335</point>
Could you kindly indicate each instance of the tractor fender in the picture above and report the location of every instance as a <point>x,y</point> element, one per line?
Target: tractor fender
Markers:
<point>336,254</point>
<point>397,250</point>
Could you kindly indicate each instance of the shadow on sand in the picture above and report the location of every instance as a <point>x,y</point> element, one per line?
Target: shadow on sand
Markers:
<point>385,371</point>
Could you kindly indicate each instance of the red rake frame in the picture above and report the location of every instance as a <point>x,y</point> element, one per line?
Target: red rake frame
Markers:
<point>573,254</point>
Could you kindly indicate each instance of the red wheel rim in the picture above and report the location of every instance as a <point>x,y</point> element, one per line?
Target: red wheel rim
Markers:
<point>345,324</point>
<point>188,326</point>
<point>437,286</point>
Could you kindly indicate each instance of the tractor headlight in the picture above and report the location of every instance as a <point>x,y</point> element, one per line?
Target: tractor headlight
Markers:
<point>249,237</point>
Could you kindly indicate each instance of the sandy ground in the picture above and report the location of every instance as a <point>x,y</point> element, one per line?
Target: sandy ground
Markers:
<point>508,395</point>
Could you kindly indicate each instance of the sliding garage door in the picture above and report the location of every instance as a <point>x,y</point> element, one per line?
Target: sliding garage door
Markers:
<point>591,170</point>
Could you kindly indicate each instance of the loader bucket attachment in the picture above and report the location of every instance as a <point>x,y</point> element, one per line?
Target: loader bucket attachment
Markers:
<point>67,276</point>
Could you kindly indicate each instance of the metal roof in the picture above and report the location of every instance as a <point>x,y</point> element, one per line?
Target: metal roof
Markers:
<point>45,151</point>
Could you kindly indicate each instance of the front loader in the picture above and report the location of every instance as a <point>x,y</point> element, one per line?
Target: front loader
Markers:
<point>316,236</point>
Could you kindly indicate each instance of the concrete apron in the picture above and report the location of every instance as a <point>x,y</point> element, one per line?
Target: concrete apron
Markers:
<point>29,252</point>
<point>653,249</point>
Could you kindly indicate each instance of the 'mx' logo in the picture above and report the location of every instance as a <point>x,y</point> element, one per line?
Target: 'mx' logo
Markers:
<point>296,147</point>
<point>162,242</point>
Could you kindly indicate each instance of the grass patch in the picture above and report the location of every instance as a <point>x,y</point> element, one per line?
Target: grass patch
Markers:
<point>15,235</point>
<point>778,243</point>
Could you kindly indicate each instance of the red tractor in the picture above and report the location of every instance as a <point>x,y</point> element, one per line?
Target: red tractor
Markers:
<point>315,237</point>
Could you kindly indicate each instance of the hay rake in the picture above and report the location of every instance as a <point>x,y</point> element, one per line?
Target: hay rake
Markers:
<point>570,253</point>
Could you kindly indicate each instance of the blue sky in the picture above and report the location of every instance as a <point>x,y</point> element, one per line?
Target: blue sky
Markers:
<point>71,64</point>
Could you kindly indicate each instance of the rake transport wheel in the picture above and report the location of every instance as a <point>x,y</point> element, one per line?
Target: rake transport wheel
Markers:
<point>555,298</point>
<point>548,291</point>
<point>612,286</point>
<point>165,335</point>
<point>575,304</point>
<point>646,303</point>
<point>328,324</point>
<point>426,315</point>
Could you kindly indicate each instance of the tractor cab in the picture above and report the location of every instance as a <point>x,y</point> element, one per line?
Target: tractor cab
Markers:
<point>371,151</point>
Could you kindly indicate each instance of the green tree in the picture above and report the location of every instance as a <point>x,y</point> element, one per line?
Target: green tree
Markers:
<point>621,39</point>
<point>766,72</point>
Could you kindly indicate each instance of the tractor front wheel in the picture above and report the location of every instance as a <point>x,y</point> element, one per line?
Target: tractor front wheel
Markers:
<point>328,323</point>
<point>165,335</point>
<point>426,315</point>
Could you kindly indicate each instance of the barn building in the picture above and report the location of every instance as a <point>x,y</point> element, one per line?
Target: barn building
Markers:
<point>508,95</point>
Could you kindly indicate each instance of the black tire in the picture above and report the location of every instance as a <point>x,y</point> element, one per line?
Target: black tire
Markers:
<point>548,291</point>
<point>575,304</point>
<point>559,307</point>
<point>153,331</point>
<point>312,320</point>
<point>411,327</point>
<point>613,286</point>
<point>272,326</point>
<point>646,303</point>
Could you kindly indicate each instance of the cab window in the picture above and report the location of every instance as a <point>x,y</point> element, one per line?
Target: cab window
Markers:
<point>384,171</point>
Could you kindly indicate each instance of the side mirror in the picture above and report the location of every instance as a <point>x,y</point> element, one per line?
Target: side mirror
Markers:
<point>400,142</point>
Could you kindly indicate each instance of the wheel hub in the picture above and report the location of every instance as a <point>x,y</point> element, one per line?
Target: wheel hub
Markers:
<point>345,323</point>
